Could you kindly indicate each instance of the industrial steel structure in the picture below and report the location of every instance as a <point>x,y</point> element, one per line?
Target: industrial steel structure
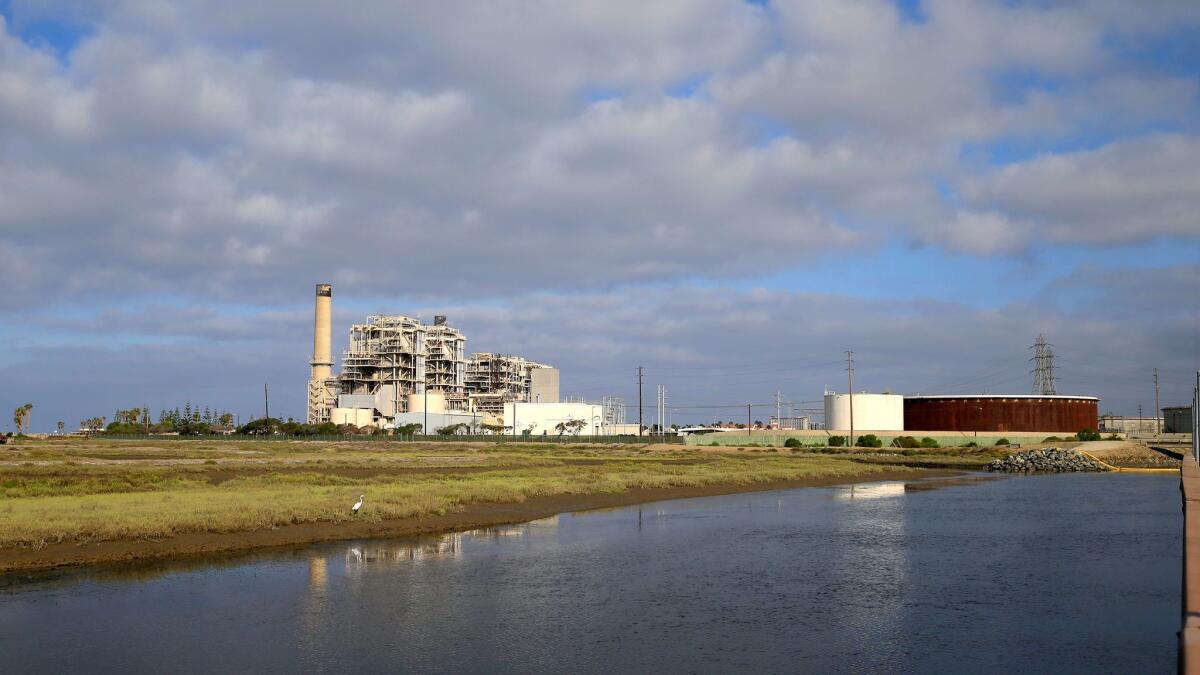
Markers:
<point>495,379</point>
<point>1001,412</point>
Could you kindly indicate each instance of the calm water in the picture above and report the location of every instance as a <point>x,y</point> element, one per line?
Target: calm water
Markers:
<point>1029,574</point>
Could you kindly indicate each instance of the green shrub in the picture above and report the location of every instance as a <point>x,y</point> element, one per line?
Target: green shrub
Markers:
<point>1051,439</point>
<point>928,442</point>
<point>869,441</point>
<point>1003,441</point>
<point>1088,435</point>
<point>793,443</point>
<point>1113,437</point>
<point>905,442</point>
<point>714,444</point>
<point>837,441</point>
<point>972,444</point>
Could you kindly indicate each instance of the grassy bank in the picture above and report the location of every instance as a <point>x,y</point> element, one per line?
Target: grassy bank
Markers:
<point>101,491</point>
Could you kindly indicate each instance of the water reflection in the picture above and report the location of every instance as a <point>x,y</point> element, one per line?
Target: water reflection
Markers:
<point>870,491</point>
<point>887,576</point>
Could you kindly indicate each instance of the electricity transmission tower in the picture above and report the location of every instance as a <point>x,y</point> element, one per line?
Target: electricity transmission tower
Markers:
<point>1043,367</point>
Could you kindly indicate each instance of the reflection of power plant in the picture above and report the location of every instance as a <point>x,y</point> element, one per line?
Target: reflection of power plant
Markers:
<point>445,547</point>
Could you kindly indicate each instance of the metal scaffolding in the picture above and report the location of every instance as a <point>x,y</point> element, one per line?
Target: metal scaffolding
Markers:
<point>495,379</point>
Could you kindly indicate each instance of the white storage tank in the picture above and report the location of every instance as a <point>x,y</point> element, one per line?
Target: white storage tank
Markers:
<point>437,402</point>
<point>872,412</point>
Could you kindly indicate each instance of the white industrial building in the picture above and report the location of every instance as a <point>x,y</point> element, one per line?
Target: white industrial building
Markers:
<point>542,419</point>
<point>872,412</point>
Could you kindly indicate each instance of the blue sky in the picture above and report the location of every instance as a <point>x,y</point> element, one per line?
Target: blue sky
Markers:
<point>931,184</point>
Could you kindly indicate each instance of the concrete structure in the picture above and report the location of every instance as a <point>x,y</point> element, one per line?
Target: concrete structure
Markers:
<point>322,387</point>
<point>1119,424</point>
<point>1177,420</point>
<point>1001,412</point>
<point>540,419</point>
<point>543,385</point>
<point>359,417</point>
<point>872,412</point>
<point>439,420</point>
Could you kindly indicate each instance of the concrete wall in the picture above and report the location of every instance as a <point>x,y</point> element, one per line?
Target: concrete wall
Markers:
<point>541,418</point>
<point>437,420</point>
<point>880,412</point>
<point>543,385</point>
<point>359,417</point>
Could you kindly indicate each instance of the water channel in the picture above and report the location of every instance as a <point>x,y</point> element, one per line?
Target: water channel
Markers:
<point>1062,573</point>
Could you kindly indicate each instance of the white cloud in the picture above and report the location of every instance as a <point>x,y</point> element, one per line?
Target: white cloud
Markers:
<point>1122,192</point>
<point>245,152</point>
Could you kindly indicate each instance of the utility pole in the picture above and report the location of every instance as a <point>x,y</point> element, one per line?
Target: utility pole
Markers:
<point>778,414</point>
<point>850,388</point>
<point>748,423</point>
<point>639,400</point>
<point>266,402</point>
<point>1157,409</point>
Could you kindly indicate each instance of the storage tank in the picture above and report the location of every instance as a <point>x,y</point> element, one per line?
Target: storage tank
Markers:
<point>437,402</point>
<point>872,412</point>
<point>1002,412</point>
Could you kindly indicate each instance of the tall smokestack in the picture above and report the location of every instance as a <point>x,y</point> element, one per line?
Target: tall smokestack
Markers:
<point>322,360</point>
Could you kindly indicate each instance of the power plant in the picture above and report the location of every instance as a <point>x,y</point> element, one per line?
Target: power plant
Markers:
<point>395,366</point>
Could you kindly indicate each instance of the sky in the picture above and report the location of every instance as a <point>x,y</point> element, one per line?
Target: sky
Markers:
<point>728,194</point>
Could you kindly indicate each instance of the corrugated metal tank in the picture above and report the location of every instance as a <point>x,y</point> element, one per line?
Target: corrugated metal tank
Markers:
<point>1001,412</point>
<point>872,412</point>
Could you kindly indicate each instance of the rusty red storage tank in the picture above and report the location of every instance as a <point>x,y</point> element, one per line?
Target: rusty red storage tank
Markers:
<point>1001,412</point>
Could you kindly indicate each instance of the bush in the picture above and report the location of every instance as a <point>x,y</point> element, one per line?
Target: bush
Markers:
<point>1088,435</point>
<point>972,444</point>
<point>1051,439</point>
<point>869,441</point>
<point>837,441</point>
<point>928,442</point>
<point>905,442</point>
<point>793,443</point>
<point>1003,441</point>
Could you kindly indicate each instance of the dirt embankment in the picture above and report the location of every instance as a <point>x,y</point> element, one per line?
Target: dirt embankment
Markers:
<point>470,517</point>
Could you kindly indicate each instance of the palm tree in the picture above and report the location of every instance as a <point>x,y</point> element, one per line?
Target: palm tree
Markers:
<point>61,425</point>
<point>21,417</point>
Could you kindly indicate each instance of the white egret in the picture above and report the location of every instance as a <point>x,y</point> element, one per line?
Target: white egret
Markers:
<point>357,505</point>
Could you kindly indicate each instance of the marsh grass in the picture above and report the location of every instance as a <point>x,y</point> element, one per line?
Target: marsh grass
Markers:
<point>46,505</point>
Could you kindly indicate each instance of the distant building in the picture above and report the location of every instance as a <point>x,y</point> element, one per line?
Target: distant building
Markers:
<point>1118,424</point>
<point>1177,420</point>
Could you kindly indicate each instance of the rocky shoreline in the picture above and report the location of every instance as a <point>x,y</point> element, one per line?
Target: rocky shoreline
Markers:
<point>1047,460</point>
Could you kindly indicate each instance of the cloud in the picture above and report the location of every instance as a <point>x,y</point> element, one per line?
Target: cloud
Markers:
<point>1127,191</point>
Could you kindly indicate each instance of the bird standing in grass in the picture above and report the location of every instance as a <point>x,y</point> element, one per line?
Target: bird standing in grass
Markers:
<point>357,505</point>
